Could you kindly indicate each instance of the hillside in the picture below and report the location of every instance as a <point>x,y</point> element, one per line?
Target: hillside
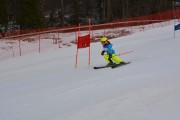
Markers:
<point>46,86</point>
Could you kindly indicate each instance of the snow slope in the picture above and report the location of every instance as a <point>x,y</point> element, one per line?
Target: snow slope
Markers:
<point>46,86</point>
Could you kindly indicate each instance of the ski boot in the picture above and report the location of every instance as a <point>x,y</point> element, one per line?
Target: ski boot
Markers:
<point>122,63</point>
<point>110,64</point>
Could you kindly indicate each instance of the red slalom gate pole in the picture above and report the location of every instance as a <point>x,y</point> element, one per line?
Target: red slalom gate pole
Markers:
<point>19,42</point>
<point>124,53</point>
<point>39,43</point>
<point>59,41</point>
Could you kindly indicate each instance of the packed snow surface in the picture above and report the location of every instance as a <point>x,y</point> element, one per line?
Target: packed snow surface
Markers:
<point>47,86</point>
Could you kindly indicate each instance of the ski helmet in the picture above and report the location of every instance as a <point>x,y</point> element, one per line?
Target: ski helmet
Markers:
<point>103,39</point>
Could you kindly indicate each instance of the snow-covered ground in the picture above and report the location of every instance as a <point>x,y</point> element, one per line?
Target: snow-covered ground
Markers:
<point>46,86</point>
<point>10,48</point>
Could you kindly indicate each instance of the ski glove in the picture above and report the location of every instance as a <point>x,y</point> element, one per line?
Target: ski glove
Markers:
<point>102,53</point>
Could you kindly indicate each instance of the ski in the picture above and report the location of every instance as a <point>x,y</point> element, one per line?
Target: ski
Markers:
<point>115,66</point>
<point>101,67</point>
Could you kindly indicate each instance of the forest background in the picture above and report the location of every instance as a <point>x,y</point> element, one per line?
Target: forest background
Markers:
<point>32,14</point>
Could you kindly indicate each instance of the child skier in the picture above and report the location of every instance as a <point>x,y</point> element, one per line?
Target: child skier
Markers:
<point>110,57</point>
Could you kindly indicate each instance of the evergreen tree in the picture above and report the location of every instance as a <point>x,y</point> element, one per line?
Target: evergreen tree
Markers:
<point>75,17</point>
<point>30,14</point>
<point>3,13</point>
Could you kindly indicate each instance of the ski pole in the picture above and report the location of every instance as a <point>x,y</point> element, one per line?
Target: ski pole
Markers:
<point>124,53</point>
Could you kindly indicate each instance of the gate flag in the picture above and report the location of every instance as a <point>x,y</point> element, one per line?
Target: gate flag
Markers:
<point>83,41</point>
<point>177,27</point>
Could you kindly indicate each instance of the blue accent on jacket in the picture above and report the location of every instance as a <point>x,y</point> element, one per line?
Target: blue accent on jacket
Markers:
<point>108,48</point>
